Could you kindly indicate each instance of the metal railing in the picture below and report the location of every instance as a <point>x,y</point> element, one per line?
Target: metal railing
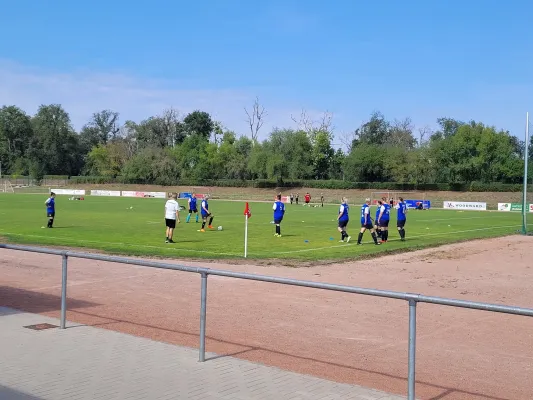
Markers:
<point>412,298</point>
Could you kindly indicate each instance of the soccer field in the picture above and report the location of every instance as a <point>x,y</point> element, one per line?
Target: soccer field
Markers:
<point>135,226</point>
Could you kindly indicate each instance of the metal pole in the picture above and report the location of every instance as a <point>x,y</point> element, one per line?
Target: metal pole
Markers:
<point>412,350</point>
<point>525,209</point>
<point>64,291</point>
<point>203,307</point>
<point>246,237</point>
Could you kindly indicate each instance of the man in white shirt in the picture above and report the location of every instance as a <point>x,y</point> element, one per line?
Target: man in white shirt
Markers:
<point>172,213</point>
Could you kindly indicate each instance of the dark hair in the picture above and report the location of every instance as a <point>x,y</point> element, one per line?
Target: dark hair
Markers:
<point>52,194</point>
<point>401,198</point>
<point>278,196</point>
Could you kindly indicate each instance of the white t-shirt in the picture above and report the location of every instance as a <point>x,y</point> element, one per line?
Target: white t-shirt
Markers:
<point>171,207</point>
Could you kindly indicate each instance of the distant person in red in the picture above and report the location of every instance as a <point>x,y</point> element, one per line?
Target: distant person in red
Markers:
<point>307,198</point>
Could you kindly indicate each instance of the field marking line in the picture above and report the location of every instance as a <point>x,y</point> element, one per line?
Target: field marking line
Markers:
<point>410,237</point>
<point>124,244</point>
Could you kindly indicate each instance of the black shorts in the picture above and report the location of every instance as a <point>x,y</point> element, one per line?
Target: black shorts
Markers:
<point>171,223</point>
<point>51,215</point>
<point>307,201</point>
<point>193,210</point>
<point>278,221</point>
<point>400,223</point>
<point>367,226</point>
<point>204,216</point>
<point>343,224</point>
<point>383,224</point>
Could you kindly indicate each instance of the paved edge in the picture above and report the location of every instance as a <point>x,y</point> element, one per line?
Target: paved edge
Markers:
<point>83,362</point>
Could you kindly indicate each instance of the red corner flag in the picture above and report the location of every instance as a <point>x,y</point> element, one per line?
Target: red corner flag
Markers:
<point>247,211</point>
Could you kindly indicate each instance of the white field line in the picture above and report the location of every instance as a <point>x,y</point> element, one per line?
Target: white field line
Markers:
<point>409,237</point>
<point>168,247</point>
<point>417,220</point>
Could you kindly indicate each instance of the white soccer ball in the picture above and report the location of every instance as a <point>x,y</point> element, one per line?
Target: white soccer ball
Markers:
<point>219,228</point>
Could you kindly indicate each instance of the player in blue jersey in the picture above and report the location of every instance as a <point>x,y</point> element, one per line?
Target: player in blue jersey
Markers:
<point>376,226</point>
<point>50,204</point>
<point>402,218</point>
<point>343,220</point>
<point>206,214</point>
<point>383,220</point>
<point>192,208</point>
<point>366,223</point>
<point>279,213</point>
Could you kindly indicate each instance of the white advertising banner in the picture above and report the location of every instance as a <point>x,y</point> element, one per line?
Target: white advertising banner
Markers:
<point>115,193</point>
<point>465,205</point>
<point>69,191</point>
<point>157,195</point>
<point>504,206</point>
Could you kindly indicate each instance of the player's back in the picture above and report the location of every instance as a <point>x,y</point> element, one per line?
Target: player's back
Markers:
<point>364,213</point>
<point>344,209</point>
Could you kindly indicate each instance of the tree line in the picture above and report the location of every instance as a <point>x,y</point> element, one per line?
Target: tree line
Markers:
<point>167,149</point>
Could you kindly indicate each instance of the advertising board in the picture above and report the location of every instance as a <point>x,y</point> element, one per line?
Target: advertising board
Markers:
<point>465,205</point>
<point>426,204</point>
<point>115,193</point>
<point>71,192</point>
<point>157,195</point>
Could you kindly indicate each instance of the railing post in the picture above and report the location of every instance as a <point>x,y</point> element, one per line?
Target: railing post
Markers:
<point>412,350</point>
<point>64,291</point>
<point>203,309</point>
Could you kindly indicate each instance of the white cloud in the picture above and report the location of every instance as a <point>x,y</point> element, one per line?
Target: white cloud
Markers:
<point>84,92</point>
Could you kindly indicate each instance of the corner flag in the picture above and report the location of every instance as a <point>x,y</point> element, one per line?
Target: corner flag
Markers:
<point>247,214</point>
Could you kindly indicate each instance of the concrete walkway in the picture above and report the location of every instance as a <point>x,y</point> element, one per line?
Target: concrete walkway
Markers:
<point>90,363</point>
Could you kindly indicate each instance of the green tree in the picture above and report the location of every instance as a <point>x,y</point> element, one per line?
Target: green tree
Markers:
<point>16,133</point>
<point>56,150</point>
<point>199,123</point>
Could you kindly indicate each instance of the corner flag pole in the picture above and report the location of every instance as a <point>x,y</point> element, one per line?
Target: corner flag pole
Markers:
<point>525,209</point>
<point>247,214</point>
<point>246,236</point>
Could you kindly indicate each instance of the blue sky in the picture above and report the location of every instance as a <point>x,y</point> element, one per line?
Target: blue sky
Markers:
<point>469,59</point>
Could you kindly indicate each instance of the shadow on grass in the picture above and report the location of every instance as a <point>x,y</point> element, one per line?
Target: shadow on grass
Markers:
<point>446,392</point>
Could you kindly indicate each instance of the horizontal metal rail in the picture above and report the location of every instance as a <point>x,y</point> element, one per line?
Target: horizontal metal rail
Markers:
<point>412,298</point>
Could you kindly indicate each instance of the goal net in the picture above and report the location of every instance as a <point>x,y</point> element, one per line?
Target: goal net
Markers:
<point>6,186</point>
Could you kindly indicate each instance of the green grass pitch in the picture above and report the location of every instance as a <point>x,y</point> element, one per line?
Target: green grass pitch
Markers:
<point>308,233</point>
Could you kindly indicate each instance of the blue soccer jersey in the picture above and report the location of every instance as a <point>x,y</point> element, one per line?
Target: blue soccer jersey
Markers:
<point>402,210</point>
<point>192,203</point>
<point>343,211</point>
<point>386,212</point>
<point>365,215</point>
<point>205,208</point>
<point>50,205</point>
<point>279,210</point>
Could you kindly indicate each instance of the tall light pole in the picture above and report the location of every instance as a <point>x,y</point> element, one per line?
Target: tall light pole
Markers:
<point>525,208</point>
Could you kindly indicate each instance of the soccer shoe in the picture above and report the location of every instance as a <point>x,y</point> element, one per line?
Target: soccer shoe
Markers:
<point>202,230</point>
<point>210,227</point>
<point>378,244</point>
<point>276,235</point>
<point>171,241</point>
<point>348,239</point>
<point>341,241</point>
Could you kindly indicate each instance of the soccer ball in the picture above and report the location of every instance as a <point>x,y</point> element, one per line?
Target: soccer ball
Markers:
<point>219,228</point>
